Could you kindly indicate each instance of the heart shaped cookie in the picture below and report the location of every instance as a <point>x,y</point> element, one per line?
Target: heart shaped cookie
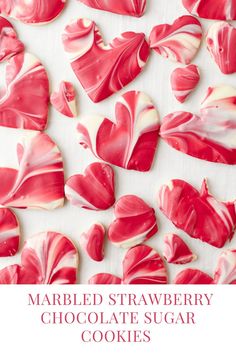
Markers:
<point>94,190</point>
<point>199,214</point>
<point>130,142</point>
<point>64,101</point>
<point>103,69</point>
<point>104,279</point>
<point>184,81</point>
<point>141,265</point>
<point>38,182</point>
<point>10,274</point>
<point>212,9</point>
<point>33,11</point>
<point>47,258</point>
<point>92,242</point>
<point>10,45</point>
<point>193,276</point>
<point>9,233</point>
<point>225,272</point>
<point>124,7</point>
<point>178,42</point>
<point>210,136</point>
<point>220,41</point>
<point>24,102</point>
<point>176,251</point>
<point>135,222</point>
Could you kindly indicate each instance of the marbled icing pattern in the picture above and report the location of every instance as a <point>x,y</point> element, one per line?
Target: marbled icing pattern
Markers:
<point>24,101</point>
<point>103,69</point>
<point>135,222</point>
<point>178,42</point>
<point>130,142</point>
<point>33,11</point>
<point>123,7</point>
<point>199,214</point>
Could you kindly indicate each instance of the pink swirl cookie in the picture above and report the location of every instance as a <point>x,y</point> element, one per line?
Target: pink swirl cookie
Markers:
<point>225,272</point>
<point>135,222</point>
<point>130,142</point>
<point>177,251</point>
<point>104,279</point>
<point>10,275</point>
<point>123,7</point>
<point>210,136</point>
<point>141,265</point>
<point>179,41</point>
<point>49,258</point>
<point>9,233</point>
<point>24,102</point>
<point>220,41</point>
<point>95,190</point>
<point>212,9</point>
<point>184,81</point>
<point>103,69</point>
<point>199,214</point>
<point>64,101</point>
<point>92,242</point>
<point>193,276</point>
<point>38,181</point>
<point>10,45</point>
<point>33,11</point>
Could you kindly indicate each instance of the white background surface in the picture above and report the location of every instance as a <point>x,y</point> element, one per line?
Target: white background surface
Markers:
<point>45,42</point>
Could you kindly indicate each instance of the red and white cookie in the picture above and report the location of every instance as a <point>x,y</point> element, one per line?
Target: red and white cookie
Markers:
<point>177,251</point>
<point>32,176</point>
<point>103,69</point>
<point>143,265</point>
<point>104,279</point>
<point>9,233</point>
<point>135,222</point>
<point>178,42</point>
<point>210,136</point>
<point>220,41</point>
<point>10,275</point>
<point>33,11</point>
<point>199,214</point>
<point>92,242</point>
<point>10,45</point>
<point>212,9</point>
<point>192,276</point>
<point>95,190</point>
<point>225,272</point>
<point>123,7</point>
<point>49,258</point>
<point>184,81</point>
<point>64,101</point>
<point>130,142</point>
<point>24,101</point>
